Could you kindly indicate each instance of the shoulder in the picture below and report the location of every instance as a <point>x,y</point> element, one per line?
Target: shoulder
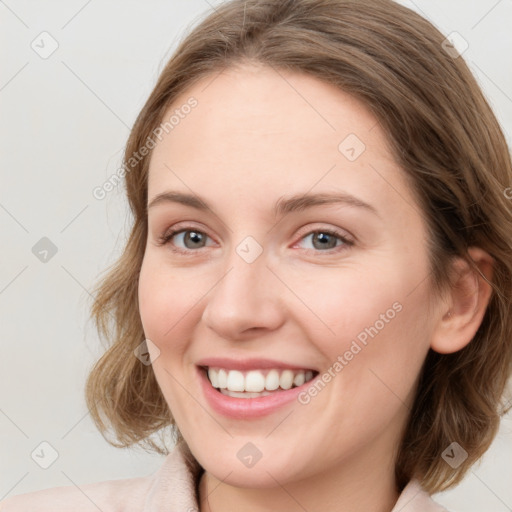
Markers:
<point>414,499</point>
<point>171,488</point>
<point>108,496</point>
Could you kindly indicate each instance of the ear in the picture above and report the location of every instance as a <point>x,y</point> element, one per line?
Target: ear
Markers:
<point>463,311</point>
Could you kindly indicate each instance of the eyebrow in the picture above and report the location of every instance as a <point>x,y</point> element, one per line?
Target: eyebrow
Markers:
<point>282,206</point>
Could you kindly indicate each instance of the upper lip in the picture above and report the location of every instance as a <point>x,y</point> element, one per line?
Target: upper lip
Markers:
<point>249,364</point>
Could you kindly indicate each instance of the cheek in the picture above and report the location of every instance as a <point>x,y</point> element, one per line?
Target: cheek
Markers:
<point>369,325</point>
<point>167,314</point>
<point>165,305</point>
<point>338,304</point>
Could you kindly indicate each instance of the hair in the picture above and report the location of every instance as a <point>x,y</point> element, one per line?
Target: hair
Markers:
<point>441,131</point>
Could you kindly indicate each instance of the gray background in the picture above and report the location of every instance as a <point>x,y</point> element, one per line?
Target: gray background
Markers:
<point>64,121</point>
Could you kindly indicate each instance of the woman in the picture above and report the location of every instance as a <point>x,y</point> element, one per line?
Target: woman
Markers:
<point>315,295</point>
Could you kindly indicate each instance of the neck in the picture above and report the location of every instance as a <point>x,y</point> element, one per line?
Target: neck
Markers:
<point>365,483</point>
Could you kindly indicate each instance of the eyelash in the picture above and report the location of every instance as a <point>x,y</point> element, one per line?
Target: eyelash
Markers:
<point>167,236</point>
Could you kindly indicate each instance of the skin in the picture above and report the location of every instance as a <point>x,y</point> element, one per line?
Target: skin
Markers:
<point>255,137</point>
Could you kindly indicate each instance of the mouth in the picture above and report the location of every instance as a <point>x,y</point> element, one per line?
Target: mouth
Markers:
<point>256,383</point>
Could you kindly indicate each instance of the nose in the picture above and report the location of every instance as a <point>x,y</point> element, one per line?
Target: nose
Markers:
<point>245,301</point>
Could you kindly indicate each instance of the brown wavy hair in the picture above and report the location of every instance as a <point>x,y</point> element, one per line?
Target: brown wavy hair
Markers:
<point>444,135</point>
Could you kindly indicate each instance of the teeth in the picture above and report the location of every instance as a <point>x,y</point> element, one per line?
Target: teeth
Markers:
<point>300,378</point>
<point>214,378</point>
<point>236,381</point>
<point>286,379</point>
<point>245,394</point>
<point>272,380</point>
<point>255,382</point>
<point>222,379</point>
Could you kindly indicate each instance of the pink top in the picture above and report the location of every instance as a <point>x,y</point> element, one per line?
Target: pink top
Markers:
<point>172,488</point>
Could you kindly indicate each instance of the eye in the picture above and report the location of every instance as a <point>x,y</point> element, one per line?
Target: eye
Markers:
<point>191,238</point>
<point>323,240</point>
<point>327,239</point>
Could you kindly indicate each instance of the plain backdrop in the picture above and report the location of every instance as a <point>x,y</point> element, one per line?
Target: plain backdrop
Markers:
<point>64,120</point>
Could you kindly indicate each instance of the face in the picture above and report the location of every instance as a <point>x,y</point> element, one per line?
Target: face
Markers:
<point>264,288</point>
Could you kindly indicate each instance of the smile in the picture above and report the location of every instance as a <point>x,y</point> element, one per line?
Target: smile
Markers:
<point>256,383</point>
<point>229,391</point>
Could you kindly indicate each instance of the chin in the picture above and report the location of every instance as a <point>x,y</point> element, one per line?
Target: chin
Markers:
<point>266,472</point>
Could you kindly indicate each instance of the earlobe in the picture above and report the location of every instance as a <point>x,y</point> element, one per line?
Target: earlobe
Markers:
<point>467,301</point>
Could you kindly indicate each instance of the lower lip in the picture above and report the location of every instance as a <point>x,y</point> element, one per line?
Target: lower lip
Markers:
<point>247,408</point>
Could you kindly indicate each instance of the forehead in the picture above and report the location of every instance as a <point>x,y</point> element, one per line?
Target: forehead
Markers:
<point>256,130</point>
